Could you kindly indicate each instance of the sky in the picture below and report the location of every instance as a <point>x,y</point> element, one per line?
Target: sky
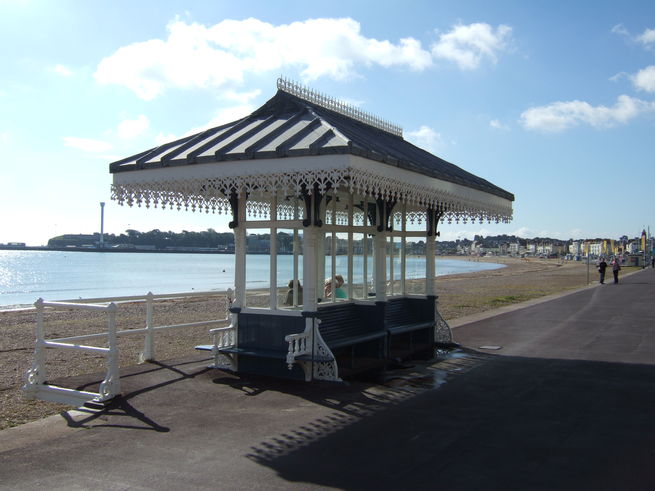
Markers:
<point>553,101</point>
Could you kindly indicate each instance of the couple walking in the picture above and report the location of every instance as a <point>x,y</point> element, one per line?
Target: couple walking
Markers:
<point>616,267</point>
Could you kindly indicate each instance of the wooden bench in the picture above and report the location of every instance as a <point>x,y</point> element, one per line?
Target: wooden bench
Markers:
<point>409,323</point>
<point>405,314</point>
<point>349,324</point>
<point>354,333</point>
<point>261,346</point>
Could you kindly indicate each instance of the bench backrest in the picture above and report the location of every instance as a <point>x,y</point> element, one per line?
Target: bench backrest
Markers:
<point>345,320</point>
<point>267,331</point>
<point>404,311</point>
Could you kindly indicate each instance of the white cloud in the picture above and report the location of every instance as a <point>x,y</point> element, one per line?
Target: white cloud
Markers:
<point>241,97</point>
<point>647,38</point>
<point>223,55</point>
<point>496,124</point>
<point>620,30</point>
<point>522,232</point>
<point>645,79</point>
<point>619,76</point>
<point>467,45</point>
<point>109,157</point>
<point>560,116</point>
<point>62,70</point>
<point>131,128</point>
<point>219,56</point>
<point>87,144</point>
<point>225,115</point>
<point>446,234</point>
<point>426,138</point>
<point>4,138</point>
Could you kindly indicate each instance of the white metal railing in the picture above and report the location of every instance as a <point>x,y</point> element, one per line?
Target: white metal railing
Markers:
<point>36,385</point>
<point>223,337</point>
<point>299,344</point>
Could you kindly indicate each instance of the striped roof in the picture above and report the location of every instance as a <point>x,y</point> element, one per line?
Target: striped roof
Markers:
<point>289,126</point>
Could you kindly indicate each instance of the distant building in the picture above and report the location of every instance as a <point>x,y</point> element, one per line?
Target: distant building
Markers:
<point>632,247</point>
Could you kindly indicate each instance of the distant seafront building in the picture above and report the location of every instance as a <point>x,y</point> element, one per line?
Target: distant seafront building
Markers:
<point>323,172</point>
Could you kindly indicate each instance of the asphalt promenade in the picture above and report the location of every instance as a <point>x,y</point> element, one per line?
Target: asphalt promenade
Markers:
<point>558,395</point>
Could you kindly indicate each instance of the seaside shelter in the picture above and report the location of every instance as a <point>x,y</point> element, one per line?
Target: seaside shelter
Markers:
<point>345,211</point>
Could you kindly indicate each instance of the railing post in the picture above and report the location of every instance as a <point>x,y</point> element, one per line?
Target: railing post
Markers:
<point>111,385</point>
<point>37,374</point>
<point>149,343</point>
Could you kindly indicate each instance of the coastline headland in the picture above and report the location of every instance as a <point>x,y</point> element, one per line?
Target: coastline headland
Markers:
<point>115,249</point>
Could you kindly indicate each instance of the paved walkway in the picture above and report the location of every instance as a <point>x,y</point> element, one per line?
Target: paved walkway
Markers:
<point>565,403</point>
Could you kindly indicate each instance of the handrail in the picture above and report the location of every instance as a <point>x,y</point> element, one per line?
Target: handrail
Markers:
<point>72,305</point>
<point>131,298</point>
<point>36,385</point>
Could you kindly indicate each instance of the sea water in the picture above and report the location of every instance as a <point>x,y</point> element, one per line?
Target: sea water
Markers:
<point>27,275</point>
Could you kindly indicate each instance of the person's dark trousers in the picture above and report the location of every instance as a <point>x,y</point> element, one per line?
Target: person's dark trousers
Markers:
<point>602,277</point>
<point>616,276</point>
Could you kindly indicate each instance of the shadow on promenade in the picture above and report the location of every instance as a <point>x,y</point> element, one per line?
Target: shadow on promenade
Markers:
<point>510,423</point>
<point>124,413</point>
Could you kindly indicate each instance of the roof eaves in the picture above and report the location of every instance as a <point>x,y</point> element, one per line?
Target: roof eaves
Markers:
<point>140,162</point>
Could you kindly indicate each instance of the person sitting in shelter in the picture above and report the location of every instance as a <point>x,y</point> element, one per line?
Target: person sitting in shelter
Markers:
<point>289,299</point>
<point>338,291</point>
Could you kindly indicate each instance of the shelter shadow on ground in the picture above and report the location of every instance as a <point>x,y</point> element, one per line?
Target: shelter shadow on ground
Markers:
<point>511,423</point>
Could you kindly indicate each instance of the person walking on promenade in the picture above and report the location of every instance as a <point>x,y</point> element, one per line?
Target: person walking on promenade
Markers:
<point>602,266</point>
<point>616,267</point>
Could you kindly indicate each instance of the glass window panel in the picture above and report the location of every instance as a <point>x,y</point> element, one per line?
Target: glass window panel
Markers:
<point>289,268</point>
<point>258,268</point>
<point>415,266</point>
<point>394,263</point>
<point>358,280</point>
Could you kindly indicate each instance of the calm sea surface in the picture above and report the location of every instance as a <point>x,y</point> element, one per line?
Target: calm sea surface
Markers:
<point>28,275</point>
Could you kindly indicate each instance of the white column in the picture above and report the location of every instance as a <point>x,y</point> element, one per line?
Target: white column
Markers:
<point>391,257</point>
<point>380,266</point>
<point>309,269</point>
<point>380,259</point>
<point>429,264</point>
<point>240,255</point>
<point>296,252</point>
<point>351,273</point>
<point>273,256</point>
<point>403,252</point>
<point>319,260</point>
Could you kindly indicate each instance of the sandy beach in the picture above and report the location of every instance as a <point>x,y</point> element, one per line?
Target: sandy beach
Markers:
<point>459,295</point>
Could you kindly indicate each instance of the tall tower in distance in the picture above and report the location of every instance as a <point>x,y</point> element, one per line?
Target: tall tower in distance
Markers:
<point>102,224</point>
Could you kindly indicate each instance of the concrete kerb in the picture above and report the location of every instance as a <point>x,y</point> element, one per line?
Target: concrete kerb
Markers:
<point>469,319</point>
<point>40,430</point>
